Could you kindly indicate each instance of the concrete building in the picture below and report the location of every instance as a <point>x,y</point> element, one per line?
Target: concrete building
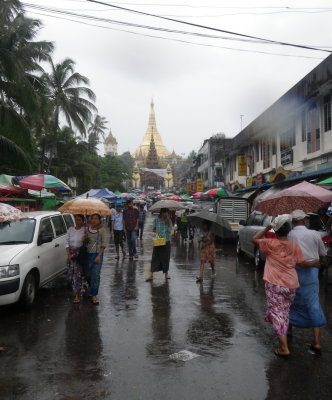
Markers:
<point>292,138</point>
<point>210,160</point>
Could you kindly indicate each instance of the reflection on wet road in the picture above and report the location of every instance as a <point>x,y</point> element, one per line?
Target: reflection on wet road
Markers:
<point>120,349</point>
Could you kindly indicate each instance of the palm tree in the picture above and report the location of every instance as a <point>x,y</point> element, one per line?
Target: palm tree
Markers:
<point>96,131</point>
<point>19,62</point>
<point>69,99</point>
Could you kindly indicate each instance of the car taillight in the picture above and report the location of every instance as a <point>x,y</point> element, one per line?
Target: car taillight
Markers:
<point>270,235</point>
<point>326,239</point>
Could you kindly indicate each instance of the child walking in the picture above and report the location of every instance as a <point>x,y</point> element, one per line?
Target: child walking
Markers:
<point>208,251</point>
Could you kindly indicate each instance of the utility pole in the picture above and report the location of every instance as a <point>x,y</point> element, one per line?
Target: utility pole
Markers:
<point>241,119</point>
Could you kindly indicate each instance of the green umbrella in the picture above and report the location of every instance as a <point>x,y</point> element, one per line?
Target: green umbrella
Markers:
<point>117,193</point>
<point>185,196</point>
<point>327,181</point>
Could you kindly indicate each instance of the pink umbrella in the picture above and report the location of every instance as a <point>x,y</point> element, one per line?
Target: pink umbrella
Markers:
<point>9,213</point>
<point>174,197</point>
<point>303,196</point>
<point>198,195</point>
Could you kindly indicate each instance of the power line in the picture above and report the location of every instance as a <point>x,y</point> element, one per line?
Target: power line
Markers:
<point>206,27</point>
<point>177,40</point>
<point>106,20</point>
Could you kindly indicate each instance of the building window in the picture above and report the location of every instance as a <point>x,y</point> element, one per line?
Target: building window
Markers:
<point>287,140</point>
<point>317,139</point>
<point>327,113</point>
<point>313,130</point>
<point>257,152</point>
<point>274,147</point>
<point>266,155</point>
<point>303,126</point>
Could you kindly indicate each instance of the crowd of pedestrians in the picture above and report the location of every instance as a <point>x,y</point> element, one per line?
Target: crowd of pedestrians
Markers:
<point>291,272</point>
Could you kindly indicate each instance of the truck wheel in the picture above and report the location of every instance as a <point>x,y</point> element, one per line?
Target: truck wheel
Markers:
<point>239,252</point>
<point>257,259</point>
<point>29,290</point>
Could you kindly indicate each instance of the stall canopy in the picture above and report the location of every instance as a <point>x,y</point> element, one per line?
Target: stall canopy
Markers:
<point>99,193</point>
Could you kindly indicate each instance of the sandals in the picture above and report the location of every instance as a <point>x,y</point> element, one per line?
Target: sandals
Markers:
<point>314,350</point>
<point>278,354</point>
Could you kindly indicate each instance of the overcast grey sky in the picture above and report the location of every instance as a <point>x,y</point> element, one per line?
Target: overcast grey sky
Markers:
<point>198,90</point>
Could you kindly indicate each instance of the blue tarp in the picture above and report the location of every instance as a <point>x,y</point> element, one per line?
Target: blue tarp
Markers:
<point>105,194</point>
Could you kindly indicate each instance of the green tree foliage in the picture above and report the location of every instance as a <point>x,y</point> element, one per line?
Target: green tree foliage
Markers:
<point>113,173</point>
<point>20,55</point>
<point>128,160</point>
<point>33,104</point>
<point>96,131</point>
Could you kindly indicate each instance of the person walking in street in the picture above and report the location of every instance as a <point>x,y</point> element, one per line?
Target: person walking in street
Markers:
<point>96,243</point>
<point>184,225</point>
<point>280,276</point>
<point>130,227</point>
<point>208,251</point>
<point>117,230</point>
<point>161,255</point>
<point>141,220</point>
<point>74,242</point>
<point>306,311</point>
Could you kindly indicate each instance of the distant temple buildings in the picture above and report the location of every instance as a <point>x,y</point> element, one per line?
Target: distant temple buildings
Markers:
<point>153,161</point>
<point>111,145</point>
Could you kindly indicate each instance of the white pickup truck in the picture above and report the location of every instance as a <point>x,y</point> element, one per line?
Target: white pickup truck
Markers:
<point>32,253</point>
<point>233,209</point>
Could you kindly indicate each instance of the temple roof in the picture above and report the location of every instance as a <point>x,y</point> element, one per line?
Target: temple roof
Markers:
<point>110,139</point>
<point>152,132</point>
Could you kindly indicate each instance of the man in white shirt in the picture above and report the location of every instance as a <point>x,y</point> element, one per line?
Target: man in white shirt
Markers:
<point>306,311</point>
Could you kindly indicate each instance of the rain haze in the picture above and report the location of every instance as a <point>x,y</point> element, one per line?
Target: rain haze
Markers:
<point>200,85</point>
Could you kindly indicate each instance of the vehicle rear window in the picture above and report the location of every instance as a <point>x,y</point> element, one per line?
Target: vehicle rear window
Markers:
<point>68,220</point>
<point>258,220</point>
<point>45,227</point>
<point>59,225</point>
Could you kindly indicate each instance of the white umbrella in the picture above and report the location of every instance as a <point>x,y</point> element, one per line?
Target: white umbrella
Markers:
<point>172,205</point>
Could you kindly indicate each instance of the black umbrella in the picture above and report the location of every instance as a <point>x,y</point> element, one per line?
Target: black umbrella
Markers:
<point>218,225</point>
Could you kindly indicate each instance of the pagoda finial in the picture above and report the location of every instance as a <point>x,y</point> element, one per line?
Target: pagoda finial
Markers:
<point>152,103</point>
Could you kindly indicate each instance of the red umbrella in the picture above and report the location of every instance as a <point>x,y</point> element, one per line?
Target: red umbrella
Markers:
<point>6,188</point>
<point>174,197</point>
<point>303,196</point>
<point>216,192</point>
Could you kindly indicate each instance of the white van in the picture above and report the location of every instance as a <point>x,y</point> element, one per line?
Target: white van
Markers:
<point>32,253</point>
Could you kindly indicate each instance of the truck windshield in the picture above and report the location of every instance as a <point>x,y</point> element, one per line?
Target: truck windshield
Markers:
<point>17,232</point>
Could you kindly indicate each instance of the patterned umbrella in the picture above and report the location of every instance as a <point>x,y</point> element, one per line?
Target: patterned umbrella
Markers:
<point>10,213</point>
<point>303,196</point>
<point>216,192</point>
<point>85,206</point>
<point>41,181</point>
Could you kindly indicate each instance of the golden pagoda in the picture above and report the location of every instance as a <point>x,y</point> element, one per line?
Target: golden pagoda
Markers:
<point>151,134</point>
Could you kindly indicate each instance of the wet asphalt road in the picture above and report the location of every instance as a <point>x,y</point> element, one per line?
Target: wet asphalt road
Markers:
<point>120,349</point>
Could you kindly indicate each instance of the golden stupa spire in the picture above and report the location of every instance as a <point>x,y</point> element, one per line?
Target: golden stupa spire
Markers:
<point>152,131</point>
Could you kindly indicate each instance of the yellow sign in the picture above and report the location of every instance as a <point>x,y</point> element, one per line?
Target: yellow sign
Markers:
<point>242,165</point>
<point>188,188</point>
<point>199,185</point>
<point>250,181</point>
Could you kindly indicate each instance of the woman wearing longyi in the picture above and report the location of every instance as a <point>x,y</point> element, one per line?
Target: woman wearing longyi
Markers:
<point>280,276</point>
